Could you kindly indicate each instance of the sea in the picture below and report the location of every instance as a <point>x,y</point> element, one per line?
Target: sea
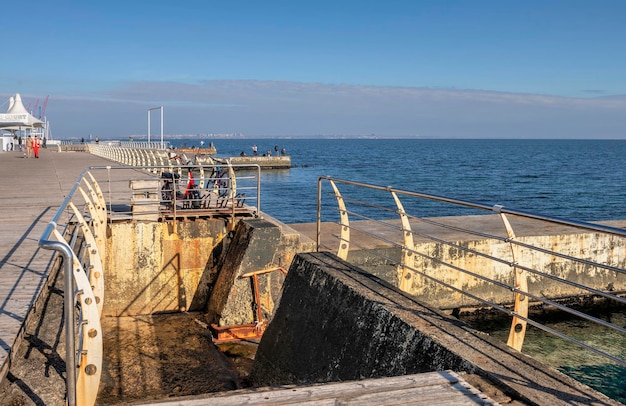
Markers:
<point>581,180</point>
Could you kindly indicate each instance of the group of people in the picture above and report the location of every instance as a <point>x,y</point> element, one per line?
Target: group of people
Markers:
<point>255,151</point>
<point>32,146</point>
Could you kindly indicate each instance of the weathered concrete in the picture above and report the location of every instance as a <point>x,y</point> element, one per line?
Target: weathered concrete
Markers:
<point>606,249</point>
<point>265,162</point>
<point>253,248</point>
<point>380,258</point>
<point>151,269</point>
<point>351,325</point>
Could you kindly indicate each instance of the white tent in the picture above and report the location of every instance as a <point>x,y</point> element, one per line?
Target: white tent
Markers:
<point>17,118</point>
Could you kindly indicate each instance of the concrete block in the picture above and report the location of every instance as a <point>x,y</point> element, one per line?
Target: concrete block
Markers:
<point>338,323</point>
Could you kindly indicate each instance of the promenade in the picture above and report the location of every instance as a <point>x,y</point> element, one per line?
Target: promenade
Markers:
<point>31,191</point>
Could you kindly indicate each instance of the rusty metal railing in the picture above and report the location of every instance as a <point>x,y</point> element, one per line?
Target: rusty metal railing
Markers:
<point>483,259</point>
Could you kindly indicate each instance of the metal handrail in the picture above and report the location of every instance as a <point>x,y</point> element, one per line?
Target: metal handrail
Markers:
<point>83,251</point>
<point>375,228</point>
<point>73,269</point>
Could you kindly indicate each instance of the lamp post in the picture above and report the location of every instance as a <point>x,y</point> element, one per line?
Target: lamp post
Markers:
<point>149,110</point>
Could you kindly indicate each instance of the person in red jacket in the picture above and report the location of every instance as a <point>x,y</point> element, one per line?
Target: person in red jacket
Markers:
<point>36,146</point>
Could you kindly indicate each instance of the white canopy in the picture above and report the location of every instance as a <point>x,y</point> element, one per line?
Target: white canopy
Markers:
<point>16,116</point>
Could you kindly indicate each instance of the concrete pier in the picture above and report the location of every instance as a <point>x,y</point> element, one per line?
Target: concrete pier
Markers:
<point>30,195</point>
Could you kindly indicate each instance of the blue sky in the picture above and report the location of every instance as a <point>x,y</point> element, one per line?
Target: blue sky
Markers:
<point>480,69</point>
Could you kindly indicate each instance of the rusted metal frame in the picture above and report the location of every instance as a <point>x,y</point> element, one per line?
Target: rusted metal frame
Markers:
<point>96,271</point>
<point>255,280</point>
<point>87,371</point>
<point>344,242</point>
<point>520,282</point>
<point>250,330</point>
<point>407,254</point>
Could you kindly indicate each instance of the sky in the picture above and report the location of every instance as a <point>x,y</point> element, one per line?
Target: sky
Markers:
<point>392,68</point>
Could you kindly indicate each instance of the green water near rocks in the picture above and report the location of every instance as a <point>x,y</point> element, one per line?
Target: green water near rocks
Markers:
<point>594,370</point>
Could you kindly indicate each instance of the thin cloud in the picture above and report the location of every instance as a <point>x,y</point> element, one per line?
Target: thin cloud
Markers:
<point>282,108</point>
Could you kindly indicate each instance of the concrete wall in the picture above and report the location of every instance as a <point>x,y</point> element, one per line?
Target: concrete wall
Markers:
<point>336,323</point>
<point>151,269</point>
<point>256,245</point>
<point>603,248</point>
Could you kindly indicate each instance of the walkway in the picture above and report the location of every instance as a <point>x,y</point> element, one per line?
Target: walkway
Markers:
<point>31,191</point>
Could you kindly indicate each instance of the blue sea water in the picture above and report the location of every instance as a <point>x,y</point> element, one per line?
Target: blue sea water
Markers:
<point>581,180</point>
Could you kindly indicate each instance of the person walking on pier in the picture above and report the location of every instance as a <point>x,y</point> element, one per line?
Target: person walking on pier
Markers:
<point>36,145</point>
<point>29,147</point>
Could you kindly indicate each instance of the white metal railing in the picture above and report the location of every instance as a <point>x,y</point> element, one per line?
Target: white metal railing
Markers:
<point>366,217</point>
<point>109,193</point>
<point>78,235</point>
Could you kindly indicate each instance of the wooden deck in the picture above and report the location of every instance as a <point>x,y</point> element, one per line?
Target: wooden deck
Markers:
<point>31,192</point>
<point>432,388</point>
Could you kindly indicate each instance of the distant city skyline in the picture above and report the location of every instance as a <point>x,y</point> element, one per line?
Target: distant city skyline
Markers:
<point>428,69</point>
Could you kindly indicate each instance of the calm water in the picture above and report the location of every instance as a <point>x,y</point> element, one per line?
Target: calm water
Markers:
<point>575,179</point>
<point>571,359</point>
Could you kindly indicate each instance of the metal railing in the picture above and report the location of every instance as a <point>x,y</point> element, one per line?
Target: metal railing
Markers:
<point>470,258</point>
<point>120,193</point>
<point>79,238</point>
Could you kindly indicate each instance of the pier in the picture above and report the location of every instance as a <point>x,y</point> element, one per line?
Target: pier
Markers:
<point>28,205</point>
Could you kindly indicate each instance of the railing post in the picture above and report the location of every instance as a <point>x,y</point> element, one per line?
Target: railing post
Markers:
<point>408,246</point>
<point>344,242</point>
<point>520,281</point>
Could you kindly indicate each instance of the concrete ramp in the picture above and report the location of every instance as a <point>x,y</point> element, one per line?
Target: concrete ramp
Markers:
<point>336,322</point>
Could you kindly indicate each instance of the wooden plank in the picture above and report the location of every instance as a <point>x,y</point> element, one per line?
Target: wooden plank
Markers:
<point>432,388</point>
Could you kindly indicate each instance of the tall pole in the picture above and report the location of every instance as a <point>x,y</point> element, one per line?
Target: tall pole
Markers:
<point>161,110</point>
<point>148,126</point>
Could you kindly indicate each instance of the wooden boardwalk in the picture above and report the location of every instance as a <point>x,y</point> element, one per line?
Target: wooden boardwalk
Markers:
<point>31,192</point>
